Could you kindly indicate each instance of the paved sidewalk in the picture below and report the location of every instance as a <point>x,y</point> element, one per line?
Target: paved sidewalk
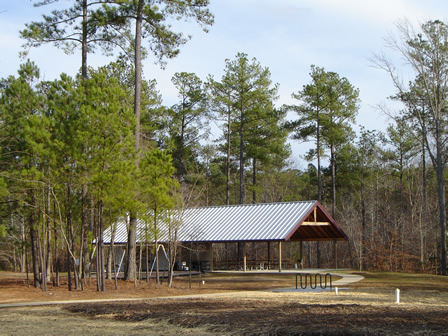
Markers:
<point>345,280</point>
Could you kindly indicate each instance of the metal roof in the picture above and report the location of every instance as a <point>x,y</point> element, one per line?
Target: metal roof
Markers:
<point>248,222</point>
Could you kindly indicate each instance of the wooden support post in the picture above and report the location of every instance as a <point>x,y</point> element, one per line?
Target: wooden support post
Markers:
<point>211,257</point>
<point>227,255</point>
<point>335,253</point>
<point>301,254</point>
<point>244,257</point>
<point>269,254</point>
<point>279,256</point>
<point>238,265</point>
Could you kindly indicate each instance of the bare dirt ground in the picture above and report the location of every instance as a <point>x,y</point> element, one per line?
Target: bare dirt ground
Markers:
<point>14,288</point>
<point>238,307</point>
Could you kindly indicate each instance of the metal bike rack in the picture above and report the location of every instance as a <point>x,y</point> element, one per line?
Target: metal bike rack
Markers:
<point>323,284</point>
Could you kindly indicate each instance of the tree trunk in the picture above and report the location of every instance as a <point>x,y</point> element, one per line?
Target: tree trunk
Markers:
<point>84,40</point>
<point>424,218</point>
<point>47,216</point>
<point>84,258</point>
<point>56,255</point>
<point>363,235</point>
<point>100,253</point>
<point>85,233</point>
<point>333,182</point>
<point>442,214</point>
<point>424,177</point>
<point>34,243</point>
<point>180,169</point>
<point>228,159</point>
<point>140,255</point>
<point>147,258</point>
<point>131,267</point>
<point>254,181</point>
<point>172,252</point>
<point>22,245</point>
<point>42,241</point>
<point>72,240</point>
<point>362,248</point>
<point>319,182</point>
<point>131,262</point>
<point>111,255</point>
<point>69,269</point>
<point>48,256</point>
<point>241,158</point>
<point>319,178</point>
<point>156,243</point>
<point>68,235</point>
<point>138,72</point>
<point>26,268</point>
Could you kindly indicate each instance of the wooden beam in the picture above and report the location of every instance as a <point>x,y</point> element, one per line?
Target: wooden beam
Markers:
<point>316,223</point>
<point>318,239</point>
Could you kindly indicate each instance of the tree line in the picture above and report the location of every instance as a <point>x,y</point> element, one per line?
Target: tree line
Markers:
<point>79,152</point>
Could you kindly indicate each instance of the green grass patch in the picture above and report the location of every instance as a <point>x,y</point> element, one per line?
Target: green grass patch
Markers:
<point>403,281</point>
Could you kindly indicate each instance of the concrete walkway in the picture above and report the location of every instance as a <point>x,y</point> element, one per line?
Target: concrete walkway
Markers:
<point>345,280</point>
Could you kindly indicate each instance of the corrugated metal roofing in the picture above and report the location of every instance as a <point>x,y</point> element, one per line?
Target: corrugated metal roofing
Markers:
<point>248,222</point>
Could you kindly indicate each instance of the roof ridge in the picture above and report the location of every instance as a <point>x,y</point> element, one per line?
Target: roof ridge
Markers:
<point>250,204</point>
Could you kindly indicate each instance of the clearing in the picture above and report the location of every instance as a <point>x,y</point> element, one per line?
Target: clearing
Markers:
<point>233,304</point>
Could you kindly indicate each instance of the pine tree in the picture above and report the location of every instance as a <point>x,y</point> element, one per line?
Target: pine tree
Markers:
<point>164,42</point>
<point>110,139</point>
<point>329,105</point>
<point>158,193</point>
<point>26,159</point>
<point>246,91</point>
<point>186,122</point>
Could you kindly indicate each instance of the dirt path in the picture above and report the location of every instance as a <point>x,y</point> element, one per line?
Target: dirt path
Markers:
<point>13,293</point>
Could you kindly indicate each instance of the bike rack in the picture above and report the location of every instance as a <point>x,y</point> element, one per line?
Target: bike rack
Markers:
<point>322,285</point>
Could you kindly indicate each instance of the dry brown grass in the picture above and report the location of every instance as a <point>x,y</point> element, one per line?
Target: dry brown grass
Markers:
<point>366,308</point>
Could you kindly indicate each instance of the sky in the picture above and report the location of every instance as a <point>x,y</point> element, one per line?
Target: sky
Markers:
<point>287,36</point>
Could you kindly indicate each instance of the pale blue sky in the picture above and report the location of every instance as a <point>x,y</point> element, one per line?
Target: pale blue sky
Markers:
<point>285,35</point>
